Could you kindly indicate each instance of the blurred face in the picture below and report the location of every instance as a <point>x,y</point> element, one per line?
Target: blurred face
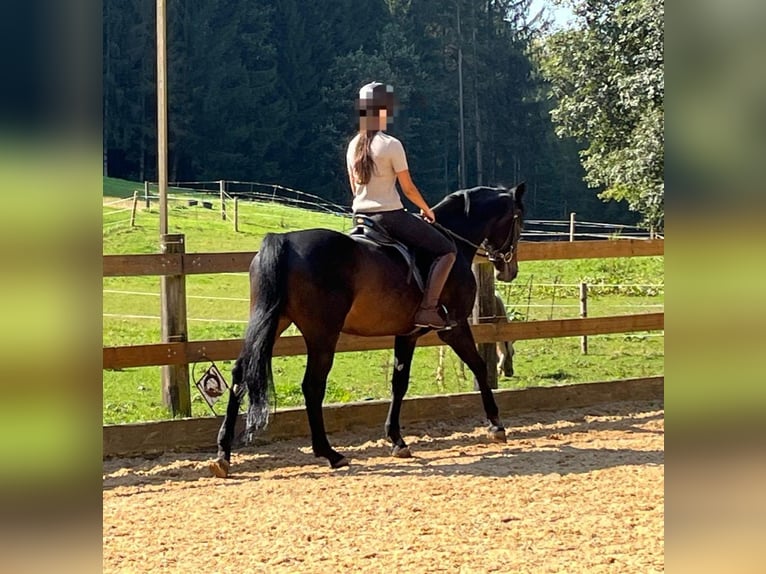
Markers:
<point>375,120</point>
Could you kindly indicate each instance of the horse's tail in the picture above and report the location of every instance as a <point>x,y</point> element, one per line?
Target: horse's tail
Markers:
<point>254,363</point>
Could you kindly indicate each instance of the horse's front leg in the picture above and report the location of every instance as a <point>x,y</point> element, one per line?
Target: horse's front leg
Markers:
<point>505,358</point>
<point>404,347</point>
<point>460,338</point>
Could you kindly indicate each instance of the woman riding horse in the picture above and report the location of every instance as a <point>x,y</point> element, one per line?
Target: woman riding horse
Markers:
<point>327,283</point>
<point>375,162</point>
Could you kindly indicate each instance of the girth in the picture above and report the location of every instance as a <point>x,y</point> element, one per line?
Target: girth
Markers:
<point>367,231</point>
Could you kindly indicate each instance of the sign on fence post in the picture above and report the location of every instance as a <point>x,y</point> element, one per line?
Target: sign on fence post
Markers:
<point>484,312</point>
<point>175,378</point>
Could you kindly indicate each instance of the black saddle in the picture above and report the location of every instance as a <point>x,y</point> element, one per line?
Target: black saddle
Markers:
<point>366,230</point>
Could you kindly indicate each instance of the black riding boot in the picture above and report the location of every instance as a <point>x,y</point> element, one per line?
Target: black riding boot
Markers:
<point>428,315</point>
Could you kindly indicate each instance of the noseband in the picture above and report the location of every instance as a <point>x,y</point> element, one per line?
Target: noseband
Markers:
<point>506,250</point>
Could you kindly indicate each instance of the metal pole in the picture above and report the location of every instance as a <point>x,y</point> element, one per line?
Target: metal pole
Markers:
<point>162,117</point>
<point>572,226</point>
<point>460,99</point>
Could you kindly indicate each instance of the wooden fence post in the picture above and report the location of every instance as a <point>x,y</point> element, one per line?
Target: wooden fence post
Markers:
<point>484,312</point>
<point>133,210</point>
<point>584,313</point>
<point>147,204</point>
<point>440,370</point>
<point>571,226</point>
<point>175,378</point>
<point>222,189</point>
<point>236,214</point>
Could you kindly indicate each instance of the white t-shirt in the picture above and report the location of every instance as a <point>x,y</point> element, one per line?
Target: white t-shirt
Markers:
<point>380,193</point>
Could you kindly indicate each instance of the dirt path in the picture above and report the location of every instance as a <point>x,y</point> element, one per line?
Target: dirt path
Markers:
<point>574,491</point>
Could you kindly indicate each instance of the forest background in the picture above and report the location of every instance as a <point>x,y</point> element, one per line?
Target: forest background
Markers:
<point>264,91</point>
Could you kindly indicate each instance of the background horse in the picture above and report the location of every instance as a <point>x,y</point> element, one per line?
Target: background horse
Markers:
<point>327,283</point>
<point>505,349</point>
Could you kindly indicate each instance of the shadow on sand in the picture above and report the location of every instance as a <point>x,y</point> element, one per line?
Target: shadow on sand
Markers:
<point>538,443</point>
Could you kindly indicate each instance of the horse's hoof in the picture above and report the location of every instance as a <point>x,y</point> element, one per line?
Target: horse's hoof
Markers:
<point>497,434</point>
<point>401,452</point>
<point>340,463</point>
<point>220,467</point>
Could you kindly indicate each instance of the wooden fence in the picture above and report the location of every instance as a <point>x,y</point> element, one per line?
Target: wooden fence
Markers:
<point>178,354</point>
<point>182,352</point>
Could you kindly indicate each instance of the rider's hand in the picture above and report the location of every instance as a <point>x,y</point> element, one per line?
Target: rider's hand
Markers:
<point>428,215</point>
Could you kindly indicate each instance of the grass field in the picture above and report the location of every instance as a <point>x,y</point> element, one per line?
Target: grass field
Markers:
<point>217,307</point>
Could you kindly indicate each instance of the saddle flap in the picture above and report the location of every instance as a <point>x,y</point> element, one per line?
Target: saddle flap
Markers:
<point>366,229</point>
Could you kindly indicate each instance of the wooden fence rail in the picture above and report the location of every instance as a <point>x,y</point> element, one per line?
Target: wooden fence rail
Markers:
<point>216,350</point>
<point>238,262</point>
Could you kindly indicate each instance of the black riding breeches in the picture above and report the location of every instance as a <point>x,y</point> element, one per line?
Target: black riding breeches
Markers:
<point>413,231</point>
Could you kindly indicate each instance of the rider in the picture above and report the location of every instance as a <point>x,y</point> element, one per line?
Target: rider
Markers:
<point>375,162</point>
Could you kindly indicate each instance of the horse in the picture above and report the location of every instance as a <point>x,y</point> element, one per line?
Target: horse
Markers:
<point>327,283</point>
<point>504,349</point>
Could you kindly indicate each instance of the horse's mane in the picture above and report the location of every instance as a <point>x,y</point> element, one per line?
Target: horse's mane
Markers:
<point>460,202</point>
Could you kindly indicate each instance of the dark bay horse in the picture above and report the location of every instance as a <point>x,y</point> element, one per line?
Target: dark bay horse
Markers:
<point>327,283</point>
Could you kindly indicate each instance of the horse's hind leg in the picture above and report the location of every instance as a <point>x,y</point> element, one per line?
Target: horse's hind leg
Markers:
<point>220,466</point>
<point>404,347</point>
<point>461,340</point>
<point>318,364</point>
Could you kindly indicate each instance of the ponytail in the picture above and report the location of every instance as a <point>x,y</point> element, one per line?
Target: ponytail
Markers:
<point>364,164</point>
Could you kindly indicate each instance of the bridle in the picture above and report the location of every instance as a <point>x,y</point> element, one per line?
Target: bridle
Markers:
<point>504,253</point>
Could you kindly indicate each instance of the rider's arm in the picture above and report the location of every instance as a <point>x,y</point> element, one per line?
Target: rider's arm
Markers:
<point>412,193</point>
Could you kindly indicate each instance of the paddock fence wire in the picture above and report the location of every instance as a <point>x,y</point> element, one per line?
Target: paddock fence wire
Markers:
<point>220,194</point>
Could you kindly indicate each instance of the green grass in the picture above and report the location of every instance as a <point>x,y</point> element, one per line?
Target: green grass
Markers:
<point>217,308</point>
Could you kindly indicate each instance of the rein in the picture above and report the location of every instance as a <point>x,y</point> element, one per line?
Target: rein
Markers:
<point>490,253</point>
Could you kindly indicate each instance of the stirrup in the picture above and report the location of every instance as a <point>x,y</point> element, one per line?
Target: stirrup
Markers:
<point>443,324</point>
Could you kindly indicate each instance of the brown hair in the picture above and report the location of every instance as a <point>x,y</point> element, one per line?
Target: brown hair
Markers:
<point>364,164</point>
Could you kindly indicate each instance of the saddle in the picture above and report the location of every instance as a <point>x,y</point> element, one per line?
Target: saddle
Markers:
<point>366,230</point>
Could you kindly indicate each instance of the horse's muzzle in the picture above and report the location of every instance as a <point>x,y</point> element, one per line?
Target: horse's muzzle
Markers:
<point>508,272</point>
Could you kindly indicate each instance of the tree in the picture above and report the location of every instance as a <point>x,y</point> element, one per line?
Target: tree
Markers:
<point>264,91</point>
<point>129,96</point>
<point>226,116</point>
<point>607,76</point>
